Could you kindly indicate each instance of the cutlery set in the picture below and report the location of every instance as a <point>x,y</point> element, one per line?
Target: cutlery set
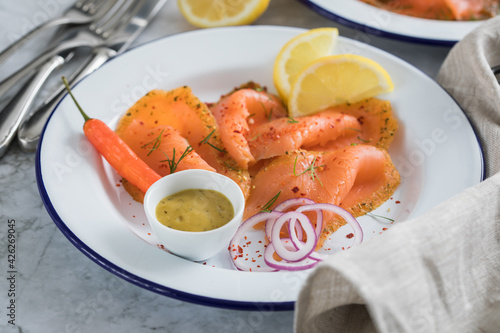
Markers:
<point>102,29</point>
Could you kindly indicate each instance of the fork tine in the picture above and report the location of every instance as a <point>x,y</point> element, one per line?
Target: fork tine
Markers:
<point>119,18</point>
<point>102,9</point>
<point>82,12</point>
<point>10,82</point>
<point>110,19</point>
<point>129,13</point>
<point>86,6</point>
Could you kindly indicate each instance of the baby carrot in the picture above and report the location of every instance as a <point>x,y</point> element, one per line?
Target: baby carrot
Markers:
<point>116,151</point>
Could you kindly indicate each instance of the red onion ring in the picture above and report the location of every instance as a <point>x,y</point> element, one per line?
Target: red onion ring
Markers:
<point>296,253</point>
<point>293,202</point>
<point>302,202</point>
<point>287,242</point>
<point>358,232</point>
<point>309,245</point>
<point>284,265</point>
<point>282,207</point>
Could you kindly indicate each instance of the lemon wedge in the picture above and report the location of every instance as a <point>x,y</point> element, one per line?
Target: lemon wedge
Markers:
<point>218,13</point>
<point>335,80</point>
<point>298,52</point>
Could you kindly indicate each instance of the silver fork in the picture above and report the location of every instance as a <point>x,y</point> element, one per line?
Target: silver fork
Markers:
<point>73,42</point>
<point>82,12</point>
<point>28,133</point>
<point>12,116</point>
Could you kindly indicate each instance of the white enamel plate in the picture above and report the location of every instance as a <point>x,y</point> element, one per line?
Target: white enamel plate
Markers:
<point>369,19</point>
<point>82,193</point>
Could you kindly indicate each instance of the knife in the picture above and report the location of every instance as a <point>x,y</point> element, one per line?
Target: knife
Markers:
<point>29,131</point>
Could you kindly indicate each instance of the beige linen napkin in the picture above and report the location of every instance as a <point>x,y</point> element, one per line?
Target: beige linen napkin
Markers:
<point>439,272</point>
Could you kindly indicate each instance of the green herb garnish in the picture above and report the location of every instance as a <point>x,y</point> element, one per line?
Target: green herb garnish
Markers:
<point>267,207</point>
<point>362,140</point>
<point>172,163</point>
<point>353,129</point>
<point>380,216</point>
<point>156,143</point>
<point>205,140</point>
<point>312,168</point>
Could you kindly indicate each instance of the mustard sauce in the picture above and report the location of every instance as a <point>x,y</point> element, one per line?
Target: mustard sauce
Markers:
<point>195,210</point>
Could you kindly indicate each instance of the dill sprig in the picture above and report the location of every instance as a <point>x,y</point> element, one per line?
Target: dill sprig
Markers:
<point>380,216</point>
<point>269,114</point>
<point>312,168</point>
<point>205,140</point>
<point>231,167</point>
<point>267,207</point>
<point>353,129</point>
<point>172,163</point>
<point>291,120</point>
<point>255,137</point>
<point>363,140</point>
<point>156,143</point>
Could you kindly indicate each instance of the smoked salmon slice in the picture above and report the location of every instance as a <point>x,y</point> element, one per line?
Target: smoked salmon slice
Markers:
<point>254,126</point>
<point>156,146</point>
<point>238,113</point>
<point>358,178</point>
<point>378,125</point>
<point>370,121</point>
<point>279,136</point>
<point>181,110</point>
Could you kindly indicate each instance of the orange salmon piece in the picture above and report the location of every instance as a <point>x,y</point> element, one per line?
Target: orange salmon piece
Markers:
<point>370,121</point>
<point>377,125</point>
<point>358,178</point>
<point>156,146</point>
<point>441,9</point>
<point>239,112</point>
<point>282,135</point>
<point>473,9</point>
<point>182,110</point>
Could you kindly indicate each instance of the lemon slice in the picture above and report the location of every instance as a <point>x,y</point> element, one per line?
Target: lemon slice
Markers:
<point>335,80</point>
<point>218,13</point>
<point>298,52</point>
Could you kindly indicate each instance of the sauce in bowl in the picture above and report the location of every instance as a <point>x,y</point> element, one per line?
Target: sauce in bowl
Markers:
<point>195,210</point>
<point>195,245</point>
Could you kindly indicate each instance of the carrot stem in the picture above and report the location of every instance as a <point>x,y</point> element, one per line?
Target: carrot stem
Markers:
<point>118,154</point>
<point>68,89</point>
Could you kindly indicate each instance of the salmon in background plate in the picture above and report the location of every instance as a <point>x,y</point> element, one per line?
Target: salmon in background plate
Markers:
<point>461,10</point>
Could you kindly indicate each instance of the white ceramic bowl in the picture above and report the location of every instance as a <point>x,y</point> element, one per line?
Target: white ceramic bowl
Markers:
<point>201,245</point>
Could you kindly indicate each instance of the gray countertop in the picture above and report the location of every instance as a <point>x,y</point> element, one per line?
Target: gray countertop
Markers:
<point>57,288</point>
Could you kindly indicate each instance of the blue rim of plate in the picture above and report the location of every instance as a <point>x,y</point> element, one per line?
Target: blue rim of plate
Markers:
<point>155,287</point>
<point>375,31</point>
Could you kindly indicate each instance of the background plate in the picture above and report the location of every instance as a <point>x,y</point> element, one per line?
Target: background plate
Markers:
<point>358,15</point>
<point>82,193</point>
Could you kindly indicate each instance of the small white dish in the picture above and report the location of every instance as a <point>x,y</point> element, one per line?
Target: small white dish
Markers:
<point>195,246</point>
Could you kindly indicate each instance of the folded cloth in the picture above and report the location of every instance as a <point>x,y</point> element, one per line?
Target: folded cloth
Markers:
<point>439,272</point>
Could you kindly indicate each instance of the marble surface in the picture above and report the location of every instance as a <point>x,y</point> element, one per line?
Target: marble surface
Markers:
<point>57,288</point>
